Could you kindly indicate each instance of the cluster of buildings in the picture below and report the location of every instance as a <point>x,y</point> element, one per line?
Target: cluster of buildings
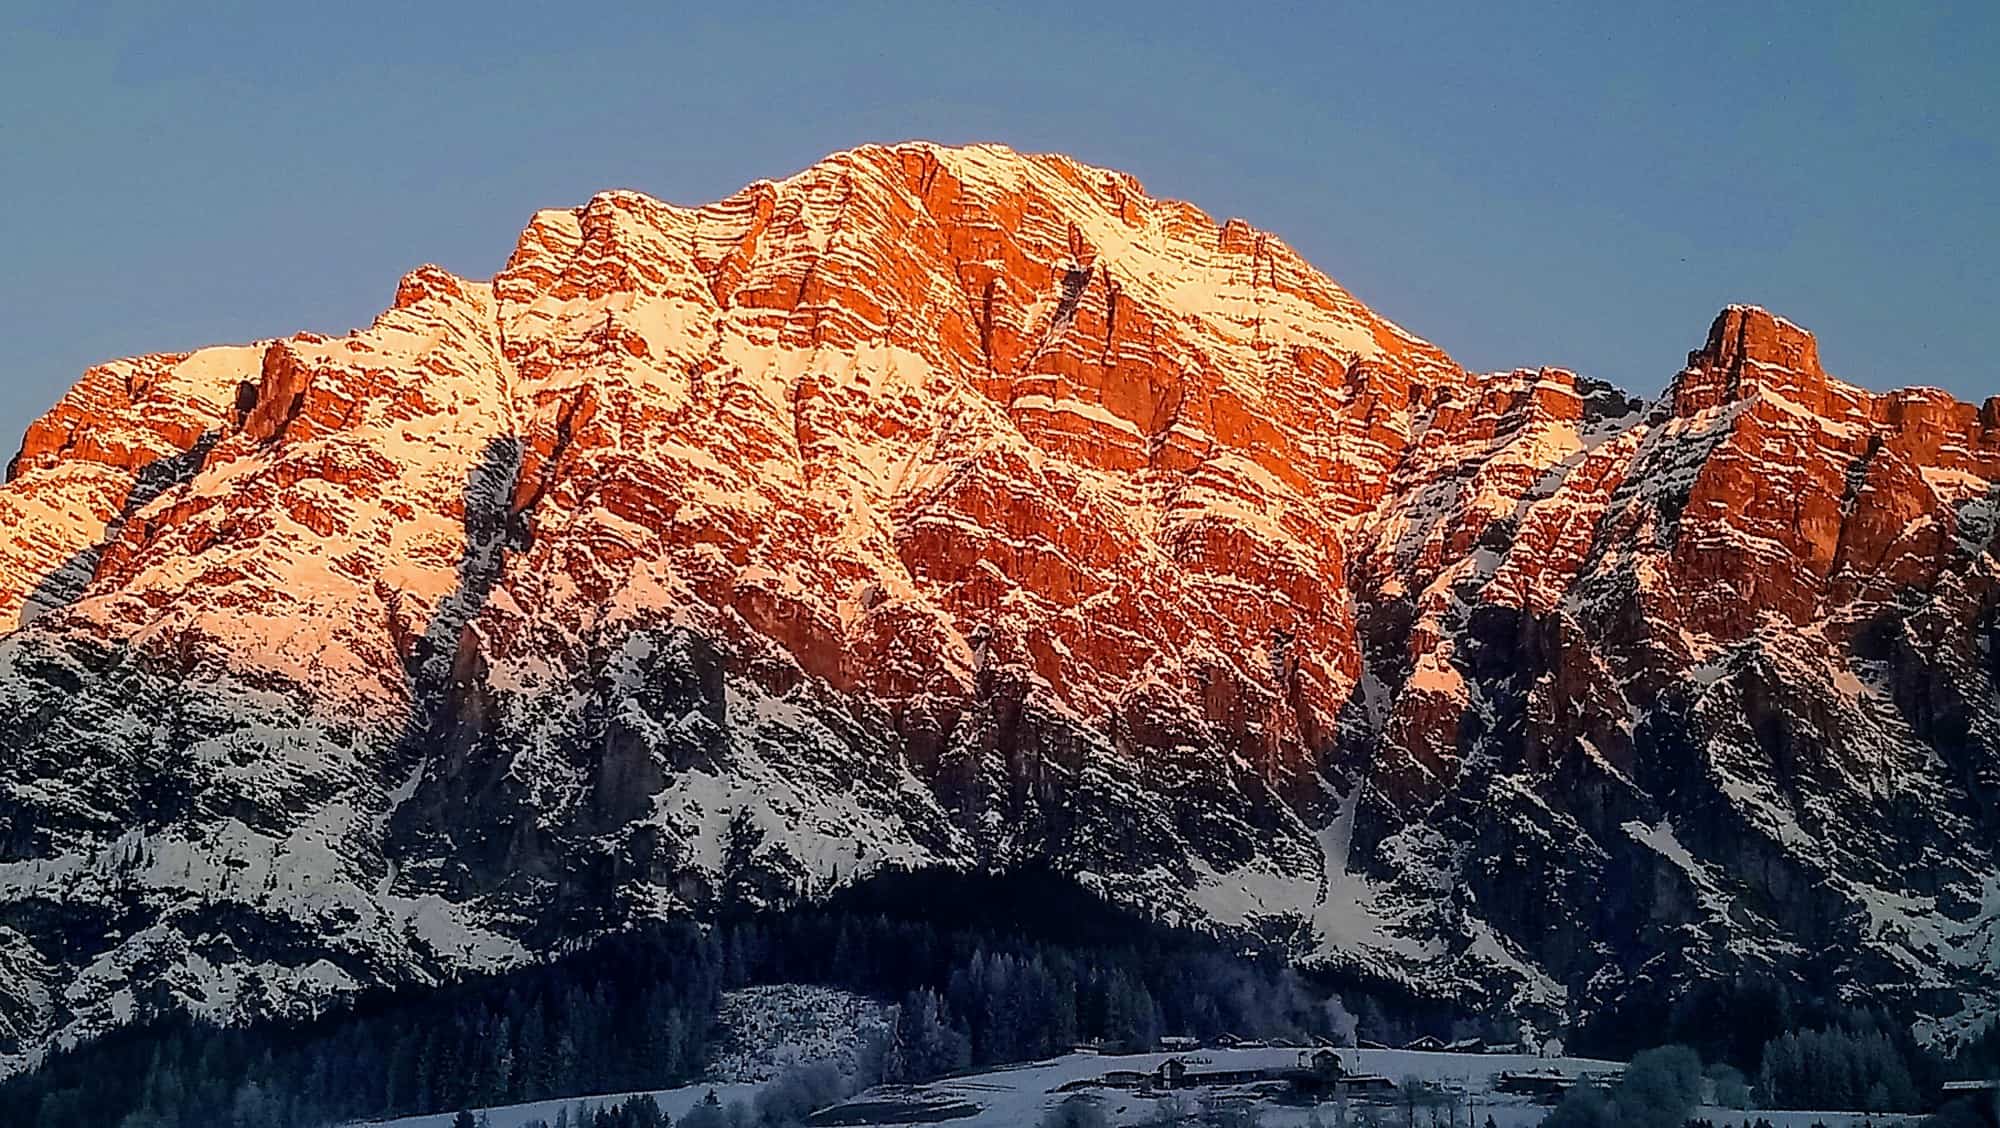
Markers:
<point>1317,1073</point>
<point>1548,1048</point>
<point>1551,1083</point>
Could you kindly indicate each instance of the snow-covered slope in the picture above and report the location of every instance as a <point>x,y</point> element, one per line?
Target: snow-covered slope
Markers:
<point>963,507</point>
<point>772,1029</point>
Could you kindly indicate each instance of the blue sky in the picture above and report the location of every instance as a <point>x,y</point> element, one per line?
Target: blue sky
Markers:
<point>1573,184</point>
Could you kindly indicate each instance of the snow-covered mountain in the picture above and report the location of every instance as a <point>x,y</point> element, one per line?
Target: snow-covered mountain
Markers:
<point>964,507</point>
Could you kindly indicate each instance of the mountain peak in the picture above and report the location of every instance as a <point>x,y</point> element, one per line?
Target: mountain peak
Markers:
<point>959,507</point>
<point>1747,334</point>
<point>1749,349</point>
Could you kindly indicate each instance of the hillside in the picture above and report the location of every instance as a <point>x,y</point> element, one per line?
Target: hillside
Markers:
<point>970,509</point>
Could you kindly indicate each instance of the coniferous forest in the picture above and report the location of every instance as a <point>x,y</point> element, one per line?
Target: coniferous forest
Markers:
<point>985,969</point>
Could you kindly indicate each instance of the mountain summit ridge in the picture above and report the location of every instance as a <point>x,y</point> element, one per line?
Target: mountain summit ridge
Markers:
<point>958,507</point>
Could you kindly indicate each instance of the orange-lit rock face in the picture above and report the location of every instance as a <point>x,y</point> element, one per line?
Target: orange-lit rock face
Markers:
<point>963,507</point>
<point>972,391</point>
<point>1813,492</point>
<point>953,390</point>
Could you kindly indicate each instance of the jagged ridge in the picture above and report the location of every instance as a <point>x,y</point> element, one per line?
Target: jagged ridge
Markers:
<point>963,507</point>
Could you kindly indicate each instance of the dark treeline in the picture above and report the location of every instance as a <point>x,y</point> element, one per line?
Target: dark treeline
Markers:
<point>634,1010</point>
<point>1721,1019</point>
<point>1856,1066</point>
<point>986,970</point>
<point>1802,1050</point>
<point>1866,1061</point>
<point>1018,975</point>
<point>1979,1057</point>
<point>633,1112</point>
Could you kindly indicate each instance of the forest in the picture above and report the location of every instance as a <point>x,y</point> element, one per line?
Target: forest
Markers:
<point>985,969</point>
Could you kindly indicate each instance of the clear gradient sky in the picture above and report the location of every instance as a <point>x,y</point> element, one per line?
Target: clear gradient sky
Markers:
<point>1575,184</point>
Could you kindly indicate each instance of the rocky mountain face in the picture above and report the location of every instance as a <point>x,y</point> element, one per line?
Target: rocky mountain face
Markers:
<point>960,507</point>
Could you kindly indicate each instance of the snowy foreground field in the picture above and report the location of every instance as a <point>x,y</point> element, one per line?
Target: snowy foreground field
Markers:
<point>1016,1096</point>
<point>1019,1095</point>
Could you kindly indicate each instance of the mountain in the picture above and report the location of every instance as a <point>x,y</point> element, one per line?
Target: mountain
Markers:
<point>964,508</point>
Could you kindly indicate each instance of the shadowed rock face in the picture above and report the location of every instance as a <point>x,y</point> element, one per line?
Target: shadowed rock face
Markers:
<point>961,507</point>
